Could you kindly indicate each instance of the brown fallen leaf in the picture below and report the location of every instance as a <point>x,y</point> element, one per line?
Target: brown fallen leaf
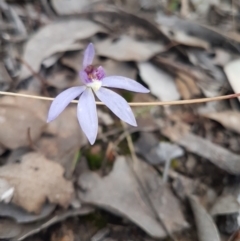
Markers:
<point>31,229</point>
<point>113,67</point>
<point>232,70</point>
<point>207,230</point>
<point>64,7</point>
<point>5,79</point>
<point>121,193</point>
<point>229,119</point>
<point>156,152</point>
<point>63,140</point>
<point>155,77</point>
<point>9,229</point>
<point>44,43</point>
<point>15,123</point>
<point>21,216</point>
<point>204,32</point>
<point>183,38</point>
<point>219,156</point>
<point>190,83</point>
<point>39,107</point>
<point>36,179</point>
<point>62,78</point>
<point>6,191</point>
<point>73,60</point>
<point>225,204</point>
<point>235,236</point>
<point>126,48</point>
<point>209,86</point>
<point>183,89</point>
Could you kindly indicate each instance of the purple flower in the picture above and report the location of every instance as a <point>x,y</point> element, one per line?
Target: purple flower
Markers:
<point>94,80</point>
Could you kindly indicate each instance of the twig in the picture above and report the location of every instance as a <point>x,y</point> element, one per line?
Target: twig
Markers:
<point>157,103</point>
<point>30,141</point>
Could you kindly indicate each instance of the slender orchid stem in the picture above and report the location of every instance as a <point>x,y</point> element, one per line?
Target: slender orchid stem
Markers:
<point>166,170</point>
<point>157,103</point>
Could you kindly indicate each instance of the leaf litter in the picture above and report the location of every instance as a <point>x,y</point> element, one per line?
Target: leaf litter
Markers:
<point>195,55</point>
<point>120,193</point>
<point>44,44</point>
<point>35,180</point>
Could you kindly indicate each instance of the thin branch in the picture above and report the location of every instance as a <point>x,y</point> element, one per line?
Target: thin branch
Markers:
<point>157,103</point>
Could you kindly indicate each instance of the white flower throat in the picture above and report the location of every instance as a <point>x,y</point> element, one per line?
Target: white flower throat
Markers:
<point>95,84</point>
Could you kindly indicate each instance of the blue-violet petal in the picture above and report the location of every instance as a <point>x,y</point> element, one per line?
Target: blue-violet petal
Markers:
<point>117,104</point>
<point>62,101</point>
<point>87,115</point>
<point>89,54</point>
<point>123,83</point>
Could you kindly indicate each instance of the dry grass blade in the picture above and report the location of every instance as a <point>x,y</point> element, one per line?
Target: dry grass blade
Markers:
<point>160,103</point>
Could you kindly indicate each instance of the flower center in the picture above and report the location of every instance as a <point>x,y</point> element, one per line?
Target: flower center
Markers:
<point>95,85</point>
<point>94,75</point>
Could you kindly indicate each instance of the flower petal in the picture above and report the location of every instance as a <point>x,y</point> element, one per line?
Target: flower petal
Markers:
<point>100,73</point>
<point>87,115</point>
<point>123,83</point>
<point>88,55</point>
<point>117,104</point>
<point>84,77</point>
<point>62,101</point>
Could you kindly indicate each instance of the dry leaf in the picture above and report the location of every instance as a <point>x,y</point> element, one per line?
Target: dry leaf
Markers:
<point>160,83</point>
<point>66,7</point>
<point>62,78</point>
<point>36,179</point>
<point>183,89</point>
<point>228,202</point>
<point>203,60</point>
<point>15,123</point>
<point>206,83</point>
<point>229,119</point>
<point>121,193</point>
<point>101,234</point>
<point>74,60</point>
<point>232,71</point>
<point>156,152</point>
<point>182,38</point>
<point>44,43</point>
<point>113,67</point>
<point>190,83</point>
<point>126,48</point>
<point>207,230</point>
<point>22,216</point>
<point>6,191</point>
<point>9,229</point>
<point>5,79</point>
<point>30,229</point>
<point>235,236</point>
<point>218,155</point>
<point>209,34</point>
<point>62,146</point>
<point>225,204</point>
<point>221,57</point>
<point>38,107</point>
<point>105,118</point>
